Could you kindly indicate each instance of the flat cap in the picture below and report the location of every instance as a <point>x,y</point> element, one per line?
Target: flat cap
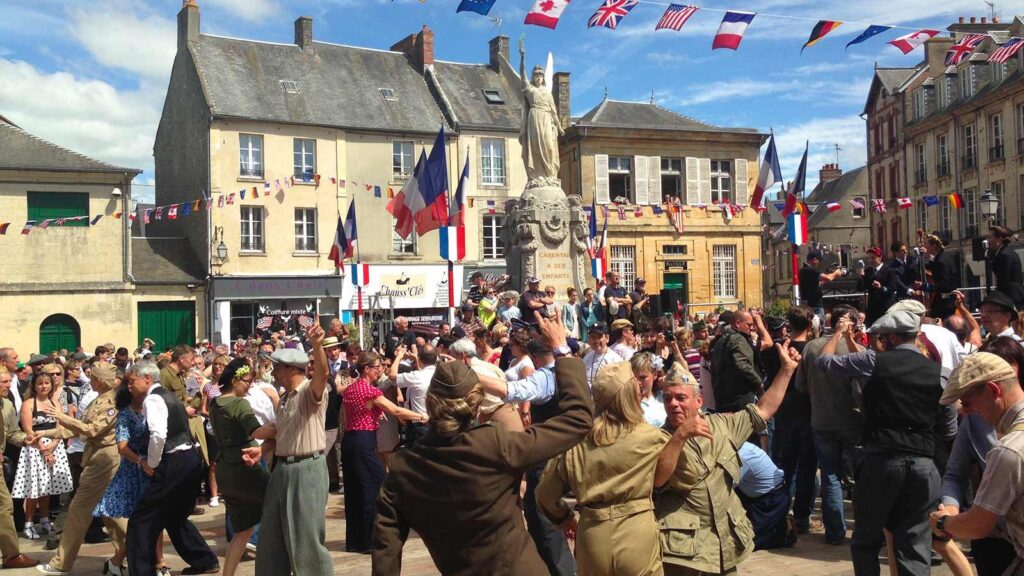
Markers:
<point>621,323</point>
<point>909,305</point>
<point>35,359</point>
<point>899,322</point>
<point>609,382</point>
<point>533,280</point>
<point>290,357</point>
<point>976,369</point>
<point>699,325</point>
<point>453,380</point>
<point>104,371</point>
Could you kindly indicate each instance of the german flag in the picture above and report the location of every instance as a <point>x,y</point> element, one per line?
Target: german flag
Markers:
<point>956,201</point>
<point>821,29</point>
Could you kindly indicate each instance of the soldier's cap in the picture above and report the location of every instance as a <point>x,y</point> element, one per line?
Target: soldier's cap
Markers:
<point>1003,301</point>
<point>452,380</point>
<point>976,369</point>
<point>814,255</point>
<point>290,357</point>
<point>899,322</point>
<point>610,380</point>
<point>909,305</point>
<point>37,359</point>
<point>621,323</point>
<point>677,376</point>
<point>600,328</point>
<point>105,372</point>
<point>699,325</point>
<point>774,323</point>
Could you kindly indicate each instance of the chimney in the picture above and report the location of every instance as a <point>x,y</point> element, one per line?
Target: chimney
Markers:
<point>498,47</point>
<point>995,19</point>
<point>829,172</point>
<point>961,20</point>
<point>983,19</point>
<point>560,92</point>
<point>304,32</point>
<point>973,19</point>
<point>418,48</point>
<point>188,24</point>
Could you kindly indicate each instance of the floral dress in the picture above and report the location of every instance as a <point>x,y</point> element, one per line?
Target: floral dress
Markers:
<point>34,477</point>
<point>129,483</point>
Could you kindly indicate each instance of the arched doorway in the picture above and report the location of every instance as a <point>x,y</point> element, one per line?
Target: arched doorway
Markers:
<point>59,331</point>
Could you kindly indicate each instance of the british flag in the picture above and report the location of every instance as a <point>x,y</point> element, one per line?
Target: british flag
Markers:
<point>962,49</point>
<point>675,16</point>
<point>1005,51</point>
<point>609,14</point>
<point>879,205</point>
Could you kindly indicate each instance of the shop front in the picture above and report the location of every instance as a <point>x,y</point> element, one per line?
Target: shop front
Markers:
<point>417,291</point>
<point>242,306</point>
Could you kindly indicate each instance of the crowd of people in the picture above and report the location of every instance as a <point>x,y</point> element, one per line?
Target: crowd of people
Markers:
<point>540,434</point>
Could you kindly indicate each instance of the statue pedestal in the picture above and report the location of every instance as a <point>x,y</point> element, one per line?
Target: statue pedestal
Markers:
<point>546,233</point>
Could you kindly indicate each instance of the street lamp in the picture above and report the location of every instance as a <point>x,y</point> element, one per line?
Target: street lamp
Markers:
<point>222,251</point>
<point>988,204</point>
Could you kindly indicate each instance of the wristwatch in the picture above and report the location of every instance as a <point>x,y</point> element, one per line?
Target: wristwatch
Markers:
<point>563,350</point>
<point>940,525</point>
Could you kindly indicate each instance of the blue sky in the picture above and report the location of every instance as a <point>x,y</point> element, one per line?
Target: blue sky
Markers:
<point>92,76</point>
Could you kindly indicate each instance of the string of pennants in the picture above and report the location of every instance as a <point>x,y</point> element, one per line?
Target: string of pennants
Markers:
<point>546,13</point>
<point>879,205</point>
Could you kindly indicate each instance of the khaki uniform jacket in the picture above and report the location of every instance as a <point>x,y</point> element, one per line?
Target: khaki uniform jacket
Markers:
<point>97,426</point>
<point>617,532</point>
<point>11,432</point>
<point>461,494</point>
<point>703,524</point>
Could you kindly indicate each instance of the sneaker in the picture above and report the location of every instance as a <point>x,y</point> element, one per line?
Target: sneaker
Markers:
<point>163,571</point>
<point>214,502</point>
<point>30,533</point>
<point>45,527</point>
<point>250,547</point>
<point>47,569</point>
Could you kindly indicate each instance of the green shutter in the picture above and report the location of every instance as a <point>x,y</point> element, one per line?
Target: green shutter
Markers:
<point>167,323</point>
<point>54,205</point>
<point>59,331</point>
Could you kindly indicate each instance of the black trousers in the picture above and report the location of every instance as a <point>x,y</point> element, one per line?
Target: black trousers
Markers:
<point>767,516</point>
<point>550,541</point>
<point>363,475</point>
<point>165,505</point>
<point>992,556</point>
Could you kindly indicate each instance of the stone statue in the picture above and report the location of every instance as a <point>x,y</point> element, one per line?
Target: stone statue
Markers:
<point>540,129</point>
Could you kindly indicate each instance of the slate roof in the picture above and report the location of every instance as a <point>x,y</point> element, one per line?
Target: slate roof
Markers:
<point>836,190</point>
<point>20,150</point>
<point>643,115</point>
<point>164,261</point>
<point>337,85</point>
<point>888,78</point>
<point>462,86</point>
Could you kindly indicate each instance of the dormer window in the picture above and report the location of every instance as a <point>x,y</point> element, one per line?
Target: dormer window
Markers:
<point>388,94</point>
<point>290,86</point>
<point>493,97</point>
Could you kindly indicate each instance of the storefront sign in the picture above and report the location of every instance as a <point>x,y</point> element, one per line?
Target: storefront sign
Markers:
<point>262,288</point>
<point>404,286</point>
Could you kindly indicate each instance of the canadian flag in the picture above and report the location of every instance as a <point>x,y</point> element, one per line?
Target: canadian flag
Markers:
<point>904,203</point>
<point>834,206</point>
<point>546,13</point>
<point>907,43</point>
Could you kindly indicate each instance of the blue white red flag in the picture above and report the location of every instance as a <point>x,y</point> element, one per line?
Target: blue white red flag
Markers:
<point>453,236</point>
<point>434,213</point>
<point>609,14</point>
<point>730,31</point>
<point>360,274</point>
<point>404,205</point>
<point>596,246</point>
<point>796,225</point>
<point>771,174</point>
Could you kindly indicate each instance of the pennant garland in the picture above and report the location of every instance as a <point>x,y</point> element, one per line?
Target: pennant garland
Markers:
<point>546,13</point>
<point>871,32</point>
<point>903,203</point>
<point>908,42</point>
<point>821,29</point>
<point>857,204</point>
<point>879,205</point>
<point>834,206</point>
<point>730,31</point>
<point>675,16</point>
<point>930,200</point>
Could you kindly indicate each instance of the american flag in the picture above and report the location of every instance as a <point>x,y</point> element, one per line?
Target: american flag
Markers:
<point>264,323</point>
<point>609,14</point>
<point>962,49</point>
<point>305,321</point>
<point>879,205</point>
<point>857,203</point>
<point>1005,51</point>
<point>675,16</point>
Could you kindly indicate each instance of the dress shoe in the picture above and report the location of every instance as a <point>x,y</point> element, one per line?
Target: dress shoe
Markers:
<point>207,570</point>
<point>20,561</point>
<point>197,511</point>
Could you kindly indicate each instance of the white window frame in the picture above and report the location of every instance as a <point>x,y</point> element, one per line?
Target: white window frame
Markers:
<point>998,72</point>
<point>970,144</point>
<point>922,165</point>
<point>492,161</point>
<point>672,169</point>
<point>966,83</point>
<point>942,154</point>
<point>401,246</point>
<point>615,167</point>
<point>403,164</point>
<point>491,226</point>
<point>918,103</point>
<point>305,230</point>
<point>623,262</point>
<point>250,155</point>
<point>723,271</point>
<point>860,212</point>
<point>251,231</point>
<point>995,130</point>
<point>947,216</point>
<point>971,199</point>
<point>304,158</point>
<point>721,181</point>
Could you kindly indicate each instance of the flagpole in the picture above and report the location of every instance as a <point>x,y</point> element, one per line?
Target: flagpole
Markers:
<point>359,285</point>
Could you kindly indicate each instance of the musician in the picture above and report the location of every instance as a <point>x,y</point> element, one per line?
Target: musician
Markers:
<point>1005,264</point>
<point>878,300</point>
<point>896,278</point>
<point>810,284</point>
<point>945,278</point>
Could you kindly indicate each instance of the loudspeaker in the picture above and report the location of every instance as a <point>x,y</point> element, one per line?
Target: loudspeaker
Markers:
<point>669,300</point>
<point>978,249</point>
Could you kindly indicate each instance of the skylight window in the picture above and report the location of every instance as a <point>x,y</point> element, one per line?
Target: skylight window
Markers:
<point>290,86</point>
<point>493,97</point>
<point>388,94</point>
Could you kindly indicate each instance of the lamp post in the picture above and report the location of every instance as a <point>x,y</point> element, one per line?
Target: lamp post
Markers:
<point>988,204</point>
<point>221,250</point>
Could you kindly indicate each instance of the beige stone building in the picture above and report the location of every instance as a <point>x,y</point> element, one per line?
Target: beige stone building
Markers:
<point>644,157</point>
<point>83,282</point>
<point>244,114</point>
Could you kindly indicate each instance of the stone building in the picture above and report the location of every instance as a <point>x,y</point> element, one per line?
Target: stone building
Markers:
<point>83,282</point>
<point>645,157</point>
<point>342,121</point>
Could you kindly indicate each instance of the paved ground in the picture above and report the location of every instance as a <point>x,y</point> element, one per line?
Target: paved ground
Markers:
<point>810,557</point>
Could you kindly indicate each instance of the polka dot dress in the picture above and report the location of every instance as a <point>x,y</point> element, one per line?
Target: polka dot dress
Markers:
<point>34,477</point>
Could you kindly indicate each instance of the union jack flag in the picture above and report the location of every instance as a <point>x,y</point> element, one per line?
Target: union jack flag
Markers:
<point>879,205</point>
<point>962,49</point>
<point>264,323</point>
<point>622,212</point>
<point>1005,51</point>
<point>675,16</point>
<point>609,14</point>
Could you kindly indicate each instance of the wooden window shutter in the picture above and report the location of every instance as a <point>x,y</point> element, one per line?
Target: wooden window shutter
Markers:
<point>640,184</point>
<point>742,185</point>
<point>705,181</point>
<point>654,179</point>
<point>692,181</point>
<point>601,190</point>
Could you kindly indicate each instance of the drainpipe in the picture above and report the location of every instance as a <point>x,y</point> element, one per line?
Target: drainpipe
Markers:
<point>126,236</point>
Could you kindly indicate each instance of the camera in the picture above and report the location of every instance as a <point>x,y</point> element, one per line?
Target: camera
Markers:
<point>669,336</point>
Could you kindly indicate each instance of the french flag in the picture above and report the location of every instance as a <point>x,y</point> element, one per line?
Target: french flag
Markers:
<point>434,190</point>
<point>453,236</point>
<point>730,31</point>
<point>771,174</point>
<point>345,238</point>
<point>360,274</point>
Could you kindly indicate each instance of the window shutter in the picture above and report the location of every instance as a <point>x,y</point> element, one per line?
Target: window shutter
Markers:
<point>640,184</point>
<point>742,185</point>
<point>693,181</point>
<point>654,179</point>
<point>705,181</point>
<point>601,192</point>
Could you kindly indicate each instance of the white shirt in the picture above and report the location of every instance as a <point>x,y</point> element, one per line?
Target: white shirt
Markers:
<point>416,384</point>
<point>951,352</point>
<point>623,350</point>
<point>155,411</point>
<point>515,370</point>
<point>592,363</point>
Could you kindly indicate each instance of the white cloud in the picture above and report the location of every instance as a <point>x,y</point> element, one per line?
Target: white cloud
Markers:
<point>123,39</point>
<point>249,10</point>
<point>822,134</point>
<point>829,91</point>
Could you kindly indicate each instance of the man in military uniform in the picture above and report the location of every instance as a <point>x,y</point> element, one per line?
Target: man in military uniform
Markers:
<point>11,432</point>
<point>704,527</point>
<point>100,462</point>
<point>172,377</point>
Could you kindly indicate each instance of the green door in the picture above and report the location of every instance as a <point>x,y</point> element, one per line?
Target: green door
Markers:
<point>676,282</point>
<point>59,331</point>
<point>167,323</point>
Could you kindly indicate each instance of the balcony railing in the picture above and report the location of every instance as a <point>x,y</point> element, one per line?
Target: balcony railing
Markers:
<point>969,162</point>
<point>250,172</point>
<point>995,153</point>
